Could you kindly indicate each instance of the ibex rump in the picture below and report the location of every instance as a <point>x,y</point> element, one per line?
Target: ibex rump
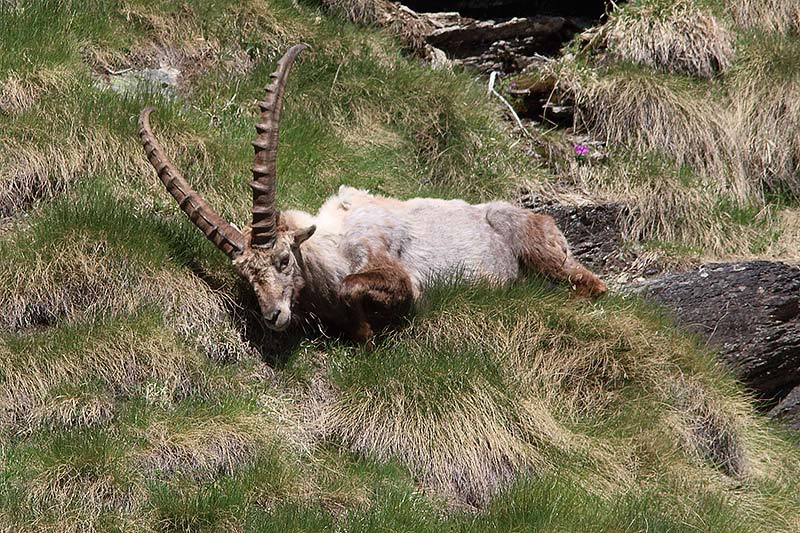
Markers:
<point>370,257</point>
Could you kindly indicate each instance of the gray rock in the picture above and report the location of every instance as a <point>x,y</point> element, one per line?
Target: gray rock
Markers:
<point>509,8</point>
<point>788,409</point>
<point>750,311</point>
<point>150,79</point>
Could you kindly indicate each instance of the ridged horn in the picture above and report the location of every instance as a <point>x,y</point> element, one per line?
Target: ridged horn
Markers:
<point>265,216</point>
<point>214,227</point>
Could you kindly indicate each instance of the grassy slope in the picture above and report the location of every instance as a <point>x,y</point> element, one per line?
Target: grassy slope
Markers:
<point>132,397</point>
<point>695,105</point>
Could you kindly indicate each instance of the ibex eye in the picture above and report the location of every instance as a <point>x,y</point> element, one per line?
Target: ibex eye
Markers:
<point>284,262</point>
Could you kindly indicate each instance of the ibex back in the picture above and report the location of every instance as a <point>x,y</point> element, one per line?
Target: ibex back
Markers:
<point>363,259</point>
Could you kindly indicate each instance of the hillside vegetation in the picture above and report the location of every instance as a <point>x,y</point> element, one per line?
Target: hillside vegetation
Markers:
<point>138,391</point>
<point>691,110</point>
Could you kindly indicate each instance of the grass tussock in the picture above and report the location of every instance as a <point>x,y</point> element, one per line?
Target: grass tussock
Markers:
<point>654,114</point>
<point>788,242</point>
<point>87,278</point>
<point>179,36</point>
<point>676,131</point>
<point>705,162</point>
<point>18,93</point>
<point>698,166</point>
<point>767,15</point>
<point>767,113</point>
<point>676,211</point>
<point>677,37</point>
<point>32,173</point>
<point>358,11</point>
<point>204,443</point>
<point>707,428</point>
<point>400,21</point>
<point>42,373</point>
<point>78,483</point>
<point>526,395</point>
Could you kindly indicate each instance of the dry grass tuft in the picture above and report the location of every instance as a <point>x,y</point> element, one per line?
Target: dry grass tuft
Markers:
<point>468,448</point>
<point>665,204</point>
<point>52,408</point>
<point>181,40</point>
<point>174,40</point>
<point>729,151</point>
<point>406,24</point>
<point>78,482</point>
<point>204,447</point>
<point>368,128</point>
<point>710,427</point>
<point>787,245</point>
<point>40,372</point>
<point>357,11</point>
<point>698,164</point>
<point>674,37</point>
<point>651,114</point>
<point>88,278</point>
<point>18,93</point>
<point>766,15</point>
<point>655,118</point>
<point>767,113</point>
<point>30,173</point>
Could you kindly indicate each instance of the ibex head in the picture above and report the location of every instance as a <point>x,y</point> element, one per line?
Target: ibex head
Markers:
<point>266,252</point>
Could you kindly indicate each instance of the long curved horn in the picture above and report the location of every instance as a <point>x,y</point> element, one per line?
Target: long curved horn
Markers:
<point>214,227</point>
<point>265,216</point>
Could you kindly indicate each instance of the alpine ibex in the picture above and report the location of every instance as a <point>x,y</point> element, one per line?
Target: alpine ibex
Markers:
<point>370,257</point>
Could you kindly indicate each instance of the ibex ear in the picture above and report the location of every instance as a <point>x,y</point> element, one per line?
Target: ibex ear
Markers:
<point>302,235</point>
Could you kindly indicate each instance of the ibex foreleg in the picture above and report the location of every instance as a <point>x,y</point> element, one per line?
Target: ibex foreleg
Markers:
<point>543,248</point>
<point>375,296</point>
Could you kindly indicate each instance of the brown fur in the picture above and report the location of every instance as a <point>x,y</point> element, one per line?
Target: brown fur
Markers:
<point>543,248</point>
<point>382,291</point>
<point>375,296</point>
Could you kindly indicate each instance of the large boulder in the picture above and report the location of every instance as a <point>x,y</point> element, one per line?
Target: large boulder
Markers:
<point>788,409</point>
<point>750,311</point>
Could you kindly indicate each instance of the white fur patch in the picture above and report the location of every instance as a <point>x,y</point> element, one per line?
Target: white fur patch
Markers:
<point>431,238</point>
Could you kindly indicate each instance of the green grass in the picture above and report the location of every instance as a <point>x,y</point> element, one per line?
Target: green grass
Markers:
<point>137,396</point>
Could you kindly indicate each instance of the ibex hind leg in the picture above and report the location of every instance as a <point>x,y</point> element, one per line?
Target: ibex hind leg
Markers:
<point>375,297</point>
<point>543,248</point>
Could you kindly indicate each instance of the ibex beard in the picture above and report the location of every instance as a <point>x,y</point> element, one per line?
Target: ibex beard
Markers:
<point>363,259</point>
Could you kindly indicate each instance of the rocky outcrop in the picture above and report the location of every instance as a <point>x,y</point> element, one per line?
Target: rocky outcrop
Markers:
<point>515,8</point>
<point>490,35</point>
<point>505,46</point>
<point>166,77</point>
<point>750,311</point>
<point>506,35</point>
